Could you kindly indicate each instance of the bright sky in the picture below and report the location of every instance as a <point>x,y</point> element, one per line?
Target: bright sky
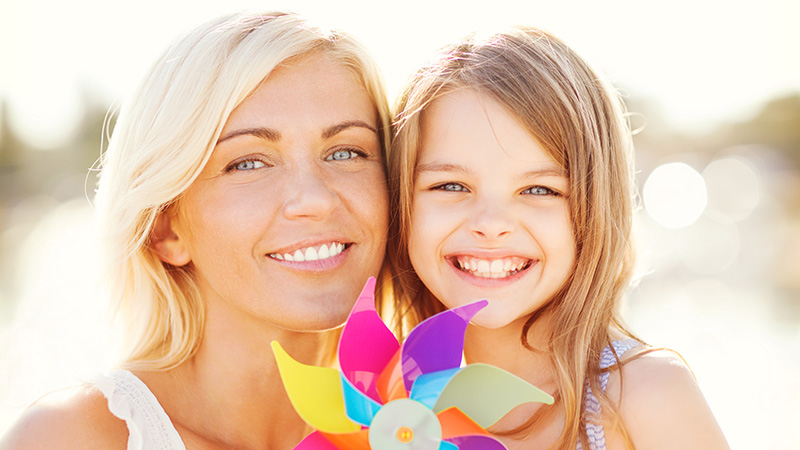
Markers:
<point>703,61</point>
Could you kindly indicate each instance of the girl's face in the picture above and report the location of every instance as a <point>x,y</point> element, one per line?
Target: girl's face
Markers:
<point>489,212</point>
<point>289,217</point>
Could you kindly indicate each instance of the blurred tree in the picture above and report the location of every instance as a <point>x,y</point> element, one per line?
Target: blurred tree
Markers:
<point>777,124</point>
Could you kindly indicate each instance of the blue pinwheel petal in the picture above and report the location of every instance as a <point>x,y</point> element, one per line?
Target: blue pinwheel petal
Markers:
<point>358,406</point>
<point>437,343</point>
<point>444,445</point>
<point>477,442</point>
<point>428,386</point>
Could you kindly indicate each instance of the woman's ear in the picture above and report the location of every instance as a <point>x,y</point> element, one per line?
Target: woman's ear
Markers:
<point>167,243</point>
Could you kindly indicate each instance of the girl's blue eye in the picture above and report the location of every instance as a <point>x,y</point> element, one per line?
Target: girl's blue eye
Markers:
<point>539,190</point>
<point>342,155</point>
<point>249,164</point>
<point>451,187</point>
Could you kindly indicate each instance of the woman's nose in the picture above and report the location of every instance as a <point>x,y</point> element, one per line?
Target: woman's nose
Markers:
<point>491,219</point>
<point>310,195</point>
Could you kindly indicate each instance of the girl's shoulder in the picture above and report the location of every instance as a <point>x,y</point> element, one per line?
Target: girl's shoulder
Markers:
<point>72,418</point>
<point>660,402</point>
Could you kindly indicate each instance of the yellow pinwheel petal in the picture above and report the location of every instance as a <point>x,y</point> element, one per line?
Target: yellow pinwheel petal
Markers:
<point>315,392</point>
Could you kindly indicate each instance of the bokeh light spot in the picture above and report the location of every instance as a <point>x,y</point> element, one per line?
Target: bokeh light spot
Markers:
<point>675,195</point>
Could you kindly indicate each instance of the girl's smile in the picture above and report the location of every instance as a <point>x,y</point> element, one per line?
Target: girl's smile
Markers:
<point>489,215</point>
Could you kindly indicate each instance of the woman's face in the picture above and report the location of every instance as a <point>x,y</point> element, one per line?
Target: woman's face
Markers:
<point>289,217</point>
<point>490,217</point>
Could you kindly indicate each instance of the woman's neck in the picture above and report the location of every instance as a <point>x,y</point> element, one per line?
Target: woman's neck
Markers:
<point>230,394</point>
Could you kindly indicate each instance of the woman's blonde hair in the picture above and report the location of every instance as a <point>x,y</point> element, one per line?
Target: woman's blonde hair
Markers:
<point>162,140</point>
<point>579,120</point>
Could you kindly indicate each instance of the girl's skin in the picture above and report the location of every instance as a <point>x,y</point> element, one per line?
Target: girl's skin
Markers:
<point>490,219</point>
<point>298,166</point>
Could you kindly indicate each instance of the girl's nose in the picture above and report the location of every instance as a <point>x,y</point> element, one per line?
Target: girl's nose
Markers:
<point>491,220</point>
<point>310,196</point>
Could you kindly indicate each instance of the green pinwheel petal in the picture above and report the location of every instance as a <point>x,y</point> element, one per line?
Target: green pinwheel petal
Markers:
<point>486,393</point>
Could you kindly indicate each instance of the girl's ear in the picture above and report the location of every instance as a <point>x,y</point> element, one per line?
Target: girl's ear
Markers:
<point>166,243</point>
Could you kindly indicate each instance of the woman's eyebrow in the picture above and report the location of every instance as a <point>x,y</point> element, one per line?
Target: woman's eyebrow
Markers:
<point>260,132</point>
<point>339,127</point>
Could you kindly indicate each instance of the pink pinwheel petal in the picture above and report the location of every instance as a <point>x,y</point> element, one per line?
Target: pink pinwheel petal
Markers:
<point>478,442</point>
<point>437,343</point>
<point>315,441</point>
<point>366,344</point>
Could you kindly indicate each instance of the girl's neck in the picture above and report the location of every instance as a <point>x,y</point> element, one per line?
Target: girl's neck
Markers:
<point>503,348</point>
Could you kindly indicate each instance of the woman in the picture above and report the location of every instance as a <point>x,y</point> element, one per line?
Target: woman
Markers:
<point>243,200</point>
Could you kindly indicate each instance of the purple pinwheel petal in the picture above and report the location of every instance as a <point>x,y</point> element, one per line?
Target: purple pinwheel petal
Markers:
<point>315,441</point>
<point>477,442</point>
<point>366,344</point>
<point>358,407</point>
<point>428,386</point>
<point>437,343</point>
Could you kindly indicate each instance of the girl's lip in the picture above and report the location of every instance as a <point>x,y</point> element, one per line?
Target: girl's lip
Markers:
<point>490,271</point>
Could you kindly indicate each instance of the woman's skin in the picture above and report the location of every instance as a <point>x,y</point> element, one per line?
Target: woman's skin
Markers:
<point>298,166</point>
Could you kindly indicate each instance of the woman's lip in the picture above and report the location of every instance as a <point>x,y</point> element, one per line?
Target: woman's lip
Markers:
<point>313,265</point>
<point>314,252</point>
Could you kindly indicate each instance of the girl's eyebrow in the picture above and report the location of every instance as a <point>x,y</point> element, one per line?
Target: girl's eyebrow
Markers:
<point>447,167</point>
<point>441,167</point>
<point>544,172</point>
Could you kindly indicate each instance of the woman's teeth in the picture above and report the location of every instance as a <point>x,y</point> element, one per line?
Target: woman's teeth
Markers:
<point>491,268</point>
<point>311,253</point>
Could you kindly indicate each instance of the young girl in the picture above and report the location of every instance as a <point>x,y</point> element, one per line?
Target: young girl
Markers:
<point>512,181</point>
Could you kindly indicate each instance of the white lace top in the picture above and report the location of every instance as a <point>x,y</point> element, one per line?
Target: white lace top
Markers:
<point>149,427</point>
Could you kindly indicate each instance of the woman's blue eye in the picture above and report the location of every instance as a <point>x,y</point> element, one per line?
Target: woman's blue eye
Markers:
<point>342,155</point>
<point>452,187</point>
<point>247,165</point>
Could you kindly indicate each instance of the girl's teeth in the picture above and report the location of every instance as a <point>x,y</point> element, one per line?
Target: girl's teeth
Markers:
<point>497,268</point>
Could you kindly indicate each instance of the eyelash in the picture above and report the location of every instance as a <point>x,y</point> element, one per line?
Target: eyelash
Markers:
<point>234,166</point>
<point>354,153</point>
<point>548,191</point>
<point>528,191</point>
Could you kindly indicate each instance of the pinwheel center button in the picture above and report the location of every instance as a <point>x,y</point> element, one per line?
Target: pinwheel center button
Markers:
<point>405,424</point>
<point>405,435</point>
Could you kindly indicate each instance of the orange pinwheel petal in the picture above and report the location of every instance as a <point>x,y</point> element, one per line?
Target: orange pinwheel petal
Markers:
<point>390,382</point>
<point>350,441</point>
<point>455,423</point>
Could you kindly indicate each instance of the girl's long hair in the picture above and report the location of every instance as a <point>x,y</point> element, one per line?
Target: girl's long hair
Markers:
<point>580,121</point>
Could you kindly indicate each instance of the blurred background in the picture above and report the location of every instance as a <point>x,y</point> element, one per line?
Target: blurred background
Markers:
<point>714,91</point>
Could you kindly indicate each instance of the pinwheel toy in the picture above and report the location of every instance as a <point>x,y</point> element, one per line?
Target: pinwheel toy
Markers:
<point>410,397</point>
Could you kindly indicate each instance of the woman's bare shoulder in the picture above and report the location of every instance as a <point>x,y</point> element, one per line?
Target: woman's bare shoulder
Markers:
<point>661,404</point>
<point>73,418</point>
